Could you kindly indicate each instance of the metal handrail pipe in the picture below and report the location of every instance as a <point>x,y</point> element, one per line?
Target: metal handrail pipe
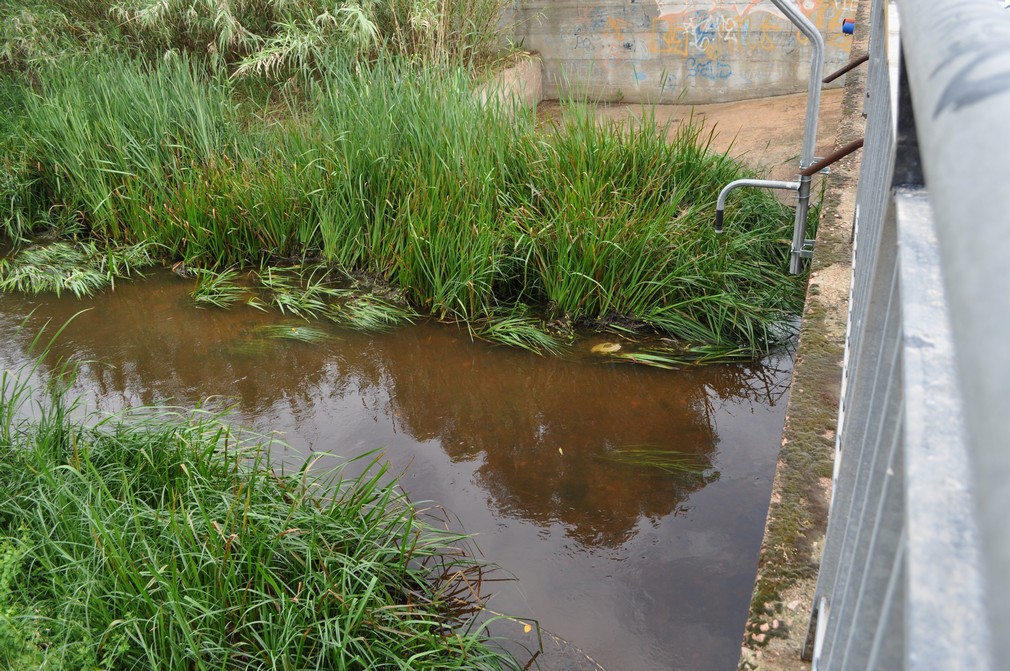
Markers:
<point>800,225</point>
<point>802,187</point>
<point>845,68</point>
<point>720,205</point>
<point>957,60</point>
<point>808,29</point>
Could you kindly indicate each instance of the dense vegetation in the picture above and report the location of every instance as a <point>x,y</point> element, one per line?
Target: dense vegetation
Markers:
<point>163,540</point>
<point>349,141</point>
<point>330,161</point>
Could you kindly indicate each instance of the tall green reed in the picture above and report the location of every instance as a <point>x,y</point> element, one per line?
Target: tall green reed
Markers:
<point>474,212</point>
<point>163,539</point>
<point>112,136</point>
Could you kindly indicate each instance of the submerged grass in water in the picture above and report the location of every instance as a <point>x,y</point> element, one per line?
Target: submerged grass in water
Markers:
<point>673,356</point>
<point>366,312</point>
<point>164,540</point>
<point>659,460</point>
<point>307,295</point>
<point>218,289</point>
<point>292,293</point>
<point>298,332</point>
<point>519,330</point>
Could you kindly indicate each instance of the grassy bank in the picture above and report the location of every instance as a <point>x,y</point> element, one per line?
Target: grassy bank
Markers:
<point>476,215</point>
<point>247,136</point>
<point>161,540</point>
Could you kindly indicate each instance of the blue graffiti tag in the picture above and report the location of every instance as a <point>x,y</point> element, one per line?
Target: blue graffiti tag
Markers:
<point>710,69</point>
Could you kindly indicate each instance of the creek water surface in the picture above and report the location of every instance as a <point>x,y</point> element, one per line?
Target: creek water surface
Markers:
<point>636,569</point>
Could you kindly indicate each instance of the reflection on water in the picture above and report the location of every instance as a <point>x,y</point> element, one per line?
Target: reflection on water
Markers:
<point>640,569</point>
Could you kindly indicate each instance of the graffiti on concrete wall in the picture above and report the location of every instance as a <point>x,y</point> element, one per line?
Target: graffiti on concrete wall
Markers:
<point>694,40</point>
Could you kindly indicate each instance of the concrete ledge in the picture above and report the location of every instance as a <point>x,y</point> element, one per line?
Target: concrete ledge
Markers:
<point>798,513</point>
<point>521,84</point>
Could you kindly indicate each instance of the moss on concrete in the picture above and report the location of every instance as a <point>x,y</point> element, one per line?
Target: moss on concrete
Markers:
<point>797,517</point>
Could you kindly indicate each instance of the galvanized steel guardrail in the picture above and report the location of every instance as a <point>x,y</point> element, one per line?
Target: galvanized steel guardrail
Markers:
<point>915,572</point>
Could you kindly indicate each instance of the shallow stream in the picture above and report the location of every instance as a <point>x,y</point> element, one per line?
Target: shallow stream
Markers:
<point>636,569</point>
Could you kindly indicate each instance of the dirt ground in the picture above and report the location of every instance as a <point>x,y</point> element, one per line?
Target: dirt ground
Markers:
<point>766,134</point>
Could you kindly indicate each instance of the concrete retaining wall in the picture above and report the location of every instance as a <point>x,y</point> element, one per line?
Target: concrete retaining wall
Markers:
<point>520,84</point>
<point>686,51</point>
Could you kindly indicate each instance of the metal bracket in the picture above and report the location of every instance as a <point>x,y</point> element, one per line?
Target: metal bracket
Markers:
<point>817,159</point>
<point>805,252</point>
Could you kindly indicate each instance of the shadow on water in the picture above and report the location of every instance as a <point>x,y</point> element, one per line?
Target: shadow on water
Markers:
<point>640,568</point>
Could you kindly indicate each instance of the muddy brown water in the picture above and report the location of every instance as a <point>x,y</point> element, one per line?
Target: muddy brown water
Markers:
<point>633,569</point>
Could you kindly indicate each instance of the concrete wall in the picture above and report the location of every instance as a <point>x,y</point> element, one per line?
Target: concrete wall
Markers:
<point>519,85</point>
<point>687,51</point>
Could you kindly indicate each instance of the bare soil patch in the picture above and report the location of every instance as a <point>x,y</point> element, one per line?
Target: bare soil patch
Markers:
<point>766,134</point>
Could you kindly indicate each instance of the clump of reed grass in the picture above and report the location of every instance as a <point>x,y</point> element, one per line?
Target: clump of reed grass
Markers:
<point>672,356</point>
<point>292,292</point>
<point>162,539</point>
<point>82,269</point>
<point>519,330</point>
<point>36,33</point>
<point>469,211</point>
<point>304,293</point>
<point>218,289</point>
<point>367,312</point>
<point>283,38</point>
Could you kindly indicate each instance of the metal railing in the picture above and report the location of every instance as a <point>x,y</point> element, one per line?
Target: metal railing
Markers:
<point>915,572</point>
<point>801,247</point>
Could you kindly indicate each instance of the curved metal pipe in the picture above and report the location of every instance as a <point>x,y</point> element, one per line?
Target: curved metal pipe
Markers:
<point>801,187</point>
<point>720,204</point>
<point>805,26</point>
<point>810,130</point>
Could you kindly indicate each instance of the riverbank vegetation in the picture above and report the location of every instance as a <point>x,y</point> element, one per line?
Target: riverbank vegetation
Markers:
<point>348,142</point>
<point>162,539</point>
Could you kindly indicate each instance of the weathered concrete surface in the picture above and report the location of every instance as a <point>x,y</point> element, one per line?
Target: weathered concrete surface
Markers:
<point>519,84</point>
<point>676,51</point>
<point>797,518</point>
